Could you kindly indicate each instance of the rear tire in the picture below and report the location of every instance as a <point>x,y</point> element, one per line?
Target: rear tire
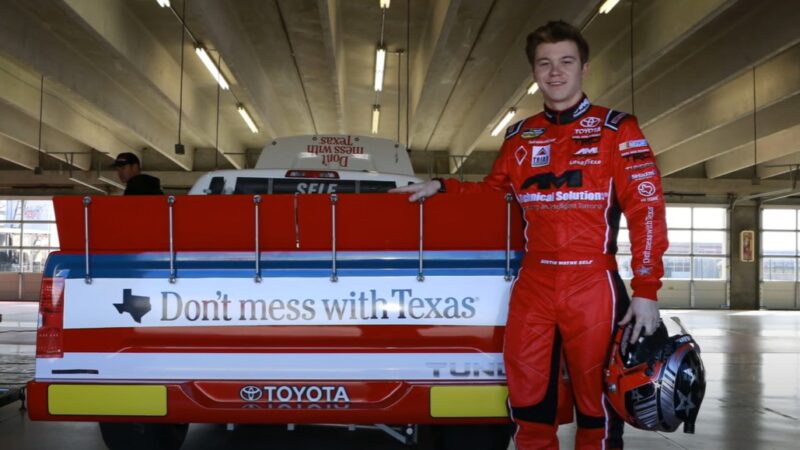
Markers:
<point>484,437</point>
<point>143,436</point>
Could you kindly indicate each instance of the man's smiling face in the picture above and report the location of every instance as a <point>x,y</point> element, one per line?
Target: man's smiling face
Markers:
<point>558,70</point>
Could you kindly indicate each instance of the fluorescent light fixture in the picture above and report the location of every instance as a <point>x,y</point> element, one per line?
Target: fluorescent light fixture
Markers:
<point>163,3</point>
<point>88,185</point>
<point>201,52</point>
<point>502,124</point>
<point>534,87</point>
<point>376,118</point>
<point>380,63</point>
<point>114,183</point>
<point>246,117</point>
<point>385,4</point>
<point>608,6</point>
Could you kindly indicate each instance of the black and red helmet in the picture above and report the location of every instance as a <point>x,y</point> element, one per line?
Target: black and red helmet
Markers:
<point>658,382</point>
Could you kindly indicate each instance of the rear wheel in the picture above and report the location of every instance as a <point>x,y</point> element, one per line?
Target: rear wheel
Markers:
<point>484,437</point>
<point>143,436</point>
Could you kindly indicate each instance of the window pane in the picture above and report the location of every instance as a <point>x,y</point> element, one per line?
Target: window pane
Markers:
<point>679,217</point>
<point>709,269</point>
<point>778,269</point>
<point>709,242</point>
<point>623,242</point>
<point>39,210</point>
<point>11,209</point>
<point>9,260</point>
<point>783,243</point>
<point>779,219</point>
<point>624,266</point>
<point>40,235</point>
<point>10,234</point>
<point>677,267</point>
<point>33,260</point>
<point>709,218</point>
<point>679,241</point>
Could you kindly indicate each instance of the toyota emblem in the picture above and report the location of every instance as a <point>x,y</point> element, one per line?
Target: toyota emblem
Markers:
<point>251,393</point>
<point>590,122</point>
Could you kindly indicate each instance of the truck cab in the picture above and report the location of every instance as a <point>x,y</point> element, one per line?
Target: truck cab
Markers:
<point>327,164</point>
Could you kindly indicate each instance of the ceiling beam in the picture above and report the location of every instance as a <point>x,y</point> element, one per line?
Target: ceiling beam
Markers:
<point>129,42</point>
<point>744,35</point>
<point>23,129</point>
<point>176,179</point>
<point>733,138</point>
<point>436,62</point>
<point>659,30</point>
<point>706,126</point>
<point>770,147</point>
<point>511,79</point>
<point>331,21</point>
<point>440,17</point>
<point>779,166</point>
<point>20,95</point>
<point>19,154</point>
<point>256,49</point>
<point>27,39</point>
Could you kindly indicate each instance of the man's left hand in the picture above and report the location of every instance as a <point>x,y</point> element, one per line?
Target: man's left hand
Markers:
<point>645,314</point>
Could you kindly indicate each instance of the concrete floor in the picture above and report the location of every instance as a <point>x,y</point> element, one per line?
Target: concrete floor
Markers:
<point>752,400</point>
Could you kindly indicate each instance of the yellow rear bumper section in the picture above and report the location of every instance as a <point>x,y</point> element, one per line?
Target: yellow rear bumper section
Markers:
<point>469,401</point>
<point>107,400</point>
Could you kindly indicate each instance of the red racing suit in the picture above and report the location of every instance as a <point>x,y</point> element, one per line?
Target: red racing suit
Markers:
<point>573,172</point>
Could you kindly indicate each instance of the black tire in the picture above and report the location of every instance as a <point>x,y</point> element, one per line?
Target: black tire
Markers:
<point>483,437</point>
<point>143,436</point>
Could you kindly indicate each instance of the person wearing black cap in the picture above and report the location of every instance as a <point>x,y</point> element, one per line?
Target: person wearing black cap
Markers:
<point>129,171</point>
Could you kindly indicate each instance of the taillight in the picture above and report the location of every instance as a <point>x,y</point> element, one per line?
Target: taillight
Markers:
<point>312,174</point>
<point>50,334</point>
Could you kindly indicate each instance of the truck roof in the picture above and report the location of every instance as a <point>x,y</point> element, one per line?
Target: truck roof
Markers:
<point>338,152</point>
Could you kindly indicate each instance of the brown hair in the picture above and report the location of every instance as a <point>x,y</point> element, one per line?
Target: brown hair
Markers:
<point>556,31</point>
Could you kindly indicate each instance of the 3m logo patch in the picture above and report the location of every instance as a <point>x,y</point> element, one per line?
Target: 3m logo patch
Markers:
<point>541,156</point>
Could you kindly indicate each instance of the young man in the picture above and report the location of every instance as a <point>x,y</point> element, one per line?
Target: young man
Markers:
<point>573,168</point>
<point>129,171</point>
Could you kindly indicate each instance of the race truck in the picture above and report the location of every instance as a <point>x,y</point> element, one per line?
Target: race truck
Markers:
<point>334,307</point>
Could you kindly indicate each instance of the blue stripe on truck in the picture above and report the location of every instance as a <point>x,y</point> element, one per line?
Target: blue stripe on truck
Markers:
<point>280,264</point>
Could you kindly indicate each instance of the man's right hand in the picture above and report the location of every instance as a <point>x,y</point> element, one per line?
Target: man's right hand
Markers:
<point>419,190</point>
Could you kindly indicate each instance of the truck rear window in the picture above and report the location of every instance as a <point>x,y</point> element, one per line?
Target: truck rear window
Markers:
<point>251,185</point>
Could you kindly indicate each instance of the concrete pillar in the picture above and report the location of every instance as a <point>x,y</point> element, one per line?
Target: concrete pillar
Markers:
<point>744,287</point>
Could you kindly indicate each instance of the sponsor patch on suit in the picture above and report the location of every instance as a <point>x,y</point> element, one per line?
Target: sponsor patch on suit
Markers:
<point>532,133</point>
<point>541,156</point>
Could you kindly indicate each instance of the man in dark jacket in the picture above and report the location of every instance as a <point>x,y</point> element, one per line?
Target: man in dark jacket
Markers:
<point>129,171</point>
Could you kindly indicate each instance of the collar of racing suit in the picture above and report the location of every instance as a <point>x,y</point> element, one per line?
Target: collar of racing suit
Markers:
<point>569,114</point>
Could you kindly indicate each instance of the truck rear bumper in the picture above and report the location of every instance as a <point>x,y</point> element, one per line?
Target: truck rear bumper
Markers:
<point>261,402</point>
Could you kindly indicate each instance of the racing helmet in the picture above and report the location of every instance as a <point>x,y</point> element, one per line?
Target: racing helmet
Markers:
<point>658,382</point>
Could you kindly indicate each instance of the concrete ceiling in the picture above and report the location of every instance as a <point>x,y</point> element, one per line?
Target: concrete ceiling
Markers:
<point>716,83</point>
